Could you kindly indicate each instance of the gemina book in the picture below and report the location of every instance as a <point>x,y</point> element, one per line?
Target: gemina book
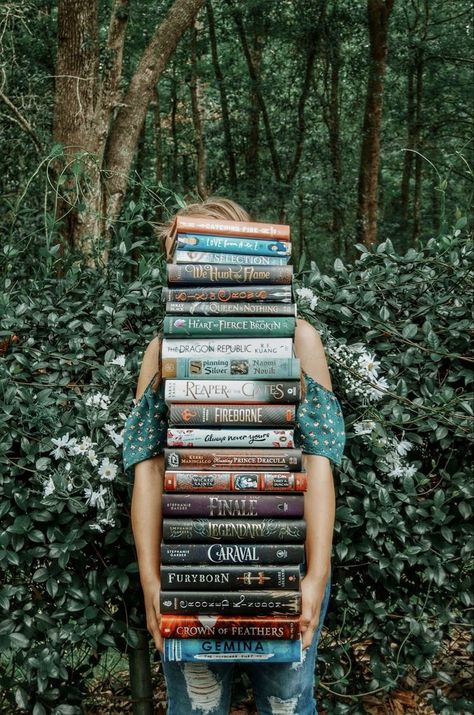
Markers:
<point>205,326</point>
<point>210,274</point>
<point>245,554</point>
<point>226,578</point>
<point>235,481</point>
<point>226,294</point>
<point>233,347</point>
<point>232,415</point>
<point>243,651</point>
<point>228,258</point>
<point>233,505</point>
<point>211,308</point>
<point>224,227</point>
<point>248,602</point>
<point>232,244</point>
<point>220,627</point>
<point>234,530</point>
<point>232,368</point>
<point>254,391</point>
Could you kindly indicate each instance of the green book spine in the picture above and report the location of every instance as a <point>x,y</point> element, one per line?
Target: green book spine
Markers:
<point>201,326</point>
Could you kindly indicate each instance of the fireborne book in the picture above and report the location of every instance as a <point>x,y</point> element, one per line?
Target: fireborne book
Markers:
<point>232,415</point>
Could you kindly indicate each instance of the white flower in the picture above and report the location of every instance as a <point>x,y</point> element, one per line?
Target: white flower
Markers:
<point>369,363</point>
<point>376,390</point>
<point>119,360</point>
<point>397,470</point>
<point>98,399</point>
<point>364,427</point>
<point>410,470</point>
<point>92,457</point>
<point>307,295</point>
<point>116,437</point>
<point>60,443</point>
<point>107,469</point>
<point>83,446</point>
<point>403,447</point>
<point>48,487</point>
<point>96,527</point>
<point>71,448</point>
<point>67,466</point>
<point>95,498</point>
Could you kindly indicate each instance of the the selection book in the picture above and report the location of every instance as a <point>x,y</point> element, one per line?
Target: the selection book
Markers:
<point>195,437</point>
<point>232,415</point>
<point>229,368</point>
<point>234,259</point>
<point>227,627</point>
<point>212,308</point>
<point>210,326</point>
<point>222,227</point>
<point>232,244</point>
<point>233,459</point>
<point>235,651</point>
<point>229,578</point>
<point>229,553</point>
<point>248,602</point>
<point>189,274</point>
<point>253,391</point>
<point>203,530</point>
<point>235,482</point>
<point>235,347</point>
<point>227,294</point>
<point>233,505</point>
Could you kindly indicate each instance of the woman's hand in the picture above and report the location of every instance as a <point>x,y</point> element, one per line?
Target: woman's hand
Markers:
<point>312,592</point>
<point>151,594</point>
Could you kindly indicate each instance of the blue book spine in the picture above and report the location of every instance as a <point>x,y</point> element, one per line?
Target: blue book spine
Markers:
<point>235,651</point>
<point>231,244</point>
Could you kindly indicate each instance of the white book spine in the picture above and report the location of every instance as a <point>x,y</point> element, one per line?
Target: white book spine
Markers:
<point>234,347</point>
<point>269,438</point>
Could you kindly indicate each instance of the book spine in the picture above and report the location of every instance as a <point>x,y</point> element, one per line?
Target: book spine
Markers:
<point>231,259</point>
<point>226,627</point>
<point>234,651</point>
<point>245,554</point>
<point>231,530</point>
<point>223,294</point>
<point>231,415</point>
<point>288,460</point>
<point>202,326</point>
<point>237,506</point>
<point>247,602</point>
<point>229,578</point>
<point>235,482</point>
<point>211,308</point>
<point>232,368</point>
<point>253,391</point>
<point>185,437</point>
<point>232,244</point>
<point>246,229</point>
<point>235,347</point>
<point>189,274</point>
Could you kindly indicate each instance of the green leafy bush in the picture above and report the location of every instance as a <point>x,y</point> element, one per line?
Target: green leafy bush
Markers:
<point>396,329</point>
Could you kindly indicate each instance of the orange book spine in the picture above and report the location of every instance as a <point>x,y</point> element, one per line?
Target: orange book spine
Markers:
<point>222,227</point>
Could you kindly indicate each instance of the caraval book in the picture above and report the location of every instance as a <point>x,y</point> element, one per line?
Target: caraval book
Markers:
<point>243,651</point>
<point>232,415</point>
<point>222,437</point>
<point>235,482</point>
<point>230,530</point>
<point>226,627</point>
<point>253,391</point>
<point>245,554</point>
<point>232,244</point>
<point>229,578</point>
<point>223,227</point>
<point>205,326</point>
<point>189,274</point>
<point>226,294</point>
<point>234,505</point>
<point>287,460</point>
<point>232,368</point>
<point>248,602</point>
<point>231,259</point>
<point>233,347</point>
<point>214,308</point>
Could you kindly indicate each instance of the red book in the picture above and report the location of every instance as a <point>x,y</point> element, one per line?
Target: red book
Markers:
<point>220,627</point>
<point>224,227</point>
<point>235,481</point>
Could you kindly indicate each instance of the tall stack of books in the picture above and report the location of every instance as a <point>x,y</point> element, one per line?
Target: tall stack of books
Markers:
<point>233,507</point>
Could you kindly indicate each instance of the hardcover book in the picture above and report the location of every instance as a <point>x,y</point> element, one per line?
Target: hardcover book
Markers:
<point>232,244</point>
<point>189,437</point>
<point>229,578</point>
<point>234,347</point>
<point>253,391</point>
<point>230,530</point>
<point>226,627</point>
<point>189,274</point>
<point>288,460</point>
<point>245,554</point>
<point>232,368</point>
<point>232,415</point>
<point>221,651</point>
<point>235,481</point>
<point>214,308</point>
<point>202,326</point>
<point>247,602</point>
<point>221,227</point>
<point>233,259</point>
<point>233,505</point>
<point>226,294</point>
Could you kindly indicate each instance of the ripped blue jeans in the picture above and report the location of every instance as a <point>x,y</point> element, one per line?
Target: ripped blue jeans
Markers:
<point>278,688</point>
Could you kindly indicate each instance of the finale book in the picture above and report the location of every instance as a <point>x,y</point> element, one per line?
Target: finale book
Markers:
<point>233,347</point>
<point>203,530</point>
<point>235,482</point>
<point>244,554</point>
<point>226,294</point>
<point>232,368</point>
<point>248,602</point>
<point>190,274</point>
<point>226,627</point>
<point>235,651</point>
<point>233,505</point>
<point>232,415</point>
<point>212,308</point>
<point>227,578</point>
<point>205,326</point>
<point>254,391</point>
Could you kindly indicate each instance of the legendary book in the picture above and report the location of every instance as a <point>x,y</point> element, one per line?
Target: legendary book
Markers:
<point>235,651</point>
<point>244,554</point>
<point>233,505</point>
<point>233,347</point>
<point>232,244</point>
<point>199,530</point>
<point>209,326</point>
<point>214,308</point>
<point>232,368</point>
<point>232,259</point>
<point>189,274</point>
<point>222,227</point>
<point>254,391</point>
<point>247,602</point>
<point>232,415</point>
<point>229,578</point>
<point>235,481</point>
<point>288,460</point>
<point>196,437</point>
<point>226,294</point>
<point>226,627</point>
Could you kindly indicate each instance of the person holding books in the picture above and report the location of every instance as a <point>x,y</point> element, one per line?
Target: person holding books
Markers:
<point>201,688</point>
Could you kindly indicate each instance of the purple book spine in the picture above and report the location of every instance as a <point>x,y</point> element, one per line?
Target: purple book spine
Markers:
<point>228,505</point>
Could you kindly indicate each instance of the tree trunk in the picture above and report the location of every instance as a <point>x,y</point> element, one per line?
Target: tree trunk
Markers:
<point>417,137</point>
<point>201,184</point>
<point>228,144</point>
<point>378,17</point>
<point>158,135</point>
<point>174,129</point>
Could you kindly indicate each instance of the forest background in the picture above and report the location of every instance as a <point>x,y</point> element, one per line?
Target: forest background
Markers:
<point>352,121</point>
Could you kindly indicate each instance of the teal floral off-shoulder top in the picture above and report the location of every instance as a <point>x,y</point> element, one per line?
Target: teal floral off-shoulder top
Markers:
<point>319,427</point>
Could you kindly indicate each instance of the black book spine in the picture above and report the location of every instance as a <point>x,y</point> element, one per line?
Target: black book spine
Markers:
<point>189,274</point>
<point>245,554</point>
<point>229,578</point>
<point>231,530</point>
<point>249,602</point>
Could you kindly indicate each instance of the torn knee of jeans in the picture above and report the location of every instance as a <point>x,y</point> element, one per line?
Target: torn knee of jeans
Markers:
<point>203,687</point>
<point>282,707</point>
<point>297,665</point>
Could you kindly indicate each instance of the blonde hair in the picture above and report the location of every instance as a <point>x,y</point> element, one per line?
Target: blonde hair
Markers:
<point>213,207</point>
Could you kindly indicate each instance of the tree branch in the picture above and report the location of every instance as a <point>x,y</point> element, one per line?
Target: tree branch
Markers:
<point>20,119</point>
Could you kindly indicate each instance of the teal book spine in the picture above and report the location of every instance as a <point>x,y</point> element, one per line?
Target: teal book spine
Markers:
<point>202,326</point>
<point>234,651</point>
<point>232,244</point>
<point>232,368</point>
